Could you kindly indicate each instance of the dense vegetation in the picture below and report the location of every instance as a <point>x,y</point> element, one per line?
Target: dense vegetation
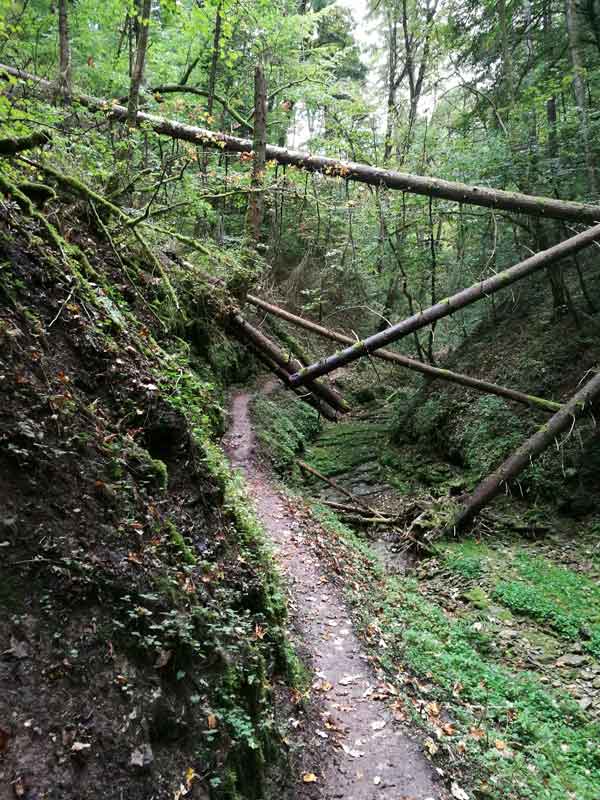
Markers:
<point>125,257</point>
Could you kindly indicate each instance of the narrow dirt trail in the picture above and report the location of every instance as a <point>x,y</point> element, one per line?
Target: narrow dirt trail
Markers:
<point>374,757</point>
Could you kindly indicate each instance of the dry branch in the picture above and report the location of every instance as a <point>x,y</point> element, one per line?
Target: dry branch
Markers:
<point>307,468</point>
<point>349,170</point>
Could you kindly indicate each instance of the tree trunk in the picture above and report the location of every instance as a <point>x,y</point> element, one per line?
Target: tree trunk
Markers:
<point>212,80</point>
<point>247,332</point>
<point>64,84</point>
<point>580,89</point>
<point>450,305</point>
<point>138,68</point>
<point>349,170</point>
<point>410,363</point>
<point>255,199</point>
<point>563,420</point>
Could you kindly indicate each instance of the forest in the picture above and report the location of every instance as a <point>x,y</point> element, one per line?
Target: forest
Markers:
<point>299,399</point>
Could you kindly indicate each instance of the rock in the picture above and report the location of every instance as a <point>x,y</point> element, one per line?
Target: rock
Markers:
<point>596,682</point>
<point>585,702</point>
<point>142,757</point>
<point>571,660</point>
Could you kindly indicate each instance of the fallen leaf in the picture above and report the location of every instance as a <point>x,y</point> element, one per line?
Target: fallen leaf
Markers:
<point>500,745</point>
<point>458,793</point>
<point>449,729</point>
<point>309,777</point>
<point>430,746</point>
<point>80,747</point>
<point>354,753</point>
<point>477,733</point>
<point>432,709</point>
<point>212,721</point>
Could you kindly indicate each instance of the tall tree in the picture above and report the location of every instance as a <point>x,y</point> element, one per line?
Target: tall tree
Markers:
<point>140,60</point>
<point>64,82</point>
<point>581,90</point>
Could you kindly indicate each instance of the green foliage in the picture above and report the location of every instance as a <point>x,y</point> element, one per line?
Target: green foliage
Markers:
<point>567,602</point>
<point>284,429</point>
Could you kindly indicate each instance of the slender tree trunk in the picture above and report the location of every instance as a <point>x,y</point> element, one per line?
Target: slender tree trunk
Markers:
<point>256,200</point>
<point>214,63</point>
<point>138,67</point>
<point>580,89</point>
<point>410,363</point>
<point>64,83</point>
<point>580,404</point>
<point>450,305</point>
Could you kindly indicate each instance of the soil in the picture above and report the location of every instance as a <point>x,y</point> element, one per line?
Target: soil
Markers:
<point>353,746</point>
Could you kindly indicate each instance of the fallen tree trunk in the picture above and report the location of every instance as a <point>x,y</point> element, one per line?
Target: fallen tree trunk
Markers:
<point>348,170</point>
<point>307,468</point>
<point>8,147</point>
<point>449,305</point>
<point>564,419</point>
<point>410,363</point>
<point>247,332</point>
<point>284,377</point>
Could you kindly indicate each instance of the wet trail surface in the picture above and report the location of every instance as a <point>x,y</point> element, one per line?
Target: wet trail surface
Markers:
<point>374,756</point>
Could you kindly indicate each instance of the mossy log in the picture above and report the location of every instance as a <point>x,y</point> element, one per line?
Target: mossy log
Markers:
<point>449,306</point>
<point>348,170</point>
<point>284,377</point>
<point>410,363</point>
<point>248,333</point>
<point>10,146</point>
<point>580,404</point>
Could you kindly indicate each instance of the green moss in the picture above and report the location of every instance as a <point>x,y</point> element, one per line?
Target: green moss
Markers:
<point>179,543</point>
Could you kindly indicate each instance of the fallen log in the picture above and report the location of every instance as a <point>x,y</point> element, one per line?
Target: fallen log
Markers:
<point>449,305</point>
<point>10,146</point>
<point>307,468</point>
<point>348,170</point>
<point>246,332</point>
<point>284,377</point>
<point>410,363</point>
<point>563,420</point>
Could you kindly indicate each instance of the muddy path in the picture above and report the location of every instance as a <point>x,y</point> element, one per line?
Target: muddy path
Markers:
<point>357,749</point>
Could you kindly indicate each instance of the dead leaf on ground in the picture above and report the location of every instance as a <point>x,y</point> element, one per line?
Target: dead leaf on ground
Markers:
<point>477,733</point>
<point>309,777</point>
<point>458,793</point>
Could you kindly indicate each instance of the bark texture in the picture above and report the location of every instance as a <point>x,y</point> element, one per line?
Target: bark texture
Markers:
<point>450,305</point>
<point>138,67</point>
<point>349,170</point>
<point>563,420</point>
<point>410,363</point>
<point>255,198</point>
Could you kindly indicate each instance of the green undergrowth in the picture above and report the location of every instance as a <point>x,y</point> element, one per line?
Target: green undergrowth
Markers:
<point>285,426</point>
<point>511,735</point>
<point>564,602</point>
<point>536,354</point>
